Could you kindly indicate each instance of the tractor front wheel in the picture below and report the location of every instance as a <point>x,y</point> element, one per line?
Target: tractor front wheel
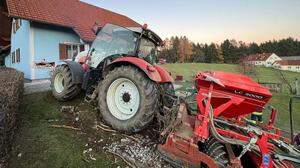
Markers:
<point>127,99</point>
<point>63,89</point>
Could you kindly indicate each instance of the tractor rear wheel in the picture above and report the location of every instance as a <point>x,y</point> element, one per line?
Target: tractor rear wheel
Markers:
<point>63,89</point>
<point>217,151</point>
<point>168,90</point>
<point>127,99</point>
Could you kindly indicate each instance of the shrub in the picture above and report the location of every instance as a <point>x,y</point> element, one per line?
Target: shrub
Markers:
<point>11,93</point>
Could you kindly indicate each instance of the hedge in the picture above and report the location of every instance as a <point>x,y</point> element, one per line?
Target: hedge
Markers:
<point>11,93</point>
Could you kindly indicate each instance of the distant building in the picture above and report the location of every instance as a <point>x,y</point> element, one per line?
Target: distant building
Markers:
<point>288,65</point>
<point>264,59</point>
<point>35,34</point>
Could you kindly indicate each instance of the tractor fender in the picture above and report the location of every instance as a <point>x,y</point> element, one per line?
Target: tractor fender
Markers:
<point>155,73</point>
<point>76,70</point>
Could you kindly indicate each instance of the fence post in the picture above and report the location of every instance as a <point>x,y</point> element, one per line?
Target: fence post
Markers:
<point>297,86</point>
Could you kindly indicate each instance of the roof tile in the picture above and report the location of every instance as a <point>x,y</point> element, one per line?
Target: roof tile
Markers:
<point>288,62</point>
<point>68,13</point>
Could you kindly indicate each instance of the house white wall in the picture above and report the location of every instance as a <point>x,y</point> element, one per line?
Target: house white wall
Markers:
<point>271,60</point>
<point>20,40</point>
<point>293,68</point>
<point>267,63</point>
<point>46,40</point>
<point>37,43</point>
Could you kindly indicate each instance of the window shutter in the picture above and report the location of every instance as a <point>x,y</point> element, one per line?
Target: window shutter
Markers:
<point>63,52</point>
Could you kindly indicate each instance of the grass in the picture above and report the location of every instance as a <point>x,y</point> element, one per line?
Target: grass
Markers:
<point>279,100</point>
<point>41,146</point>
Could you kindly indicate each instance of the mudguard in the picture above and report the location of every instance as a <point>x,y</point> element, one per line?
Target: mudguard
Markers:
<point>76,70</point>
<point>154,72</point>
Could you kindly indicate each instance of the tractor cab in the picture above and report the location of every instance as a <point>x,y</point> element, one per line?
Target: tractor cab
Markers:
<point>114,41</point>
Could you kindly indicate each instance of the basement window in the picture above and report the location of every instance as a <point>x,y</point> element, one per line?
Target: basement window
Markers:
<point>44,64</point>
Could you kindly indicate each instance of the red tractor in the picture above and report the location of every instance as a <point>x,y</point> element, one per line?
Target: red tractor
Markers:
<point>216,133</point>
<point>120,70</point>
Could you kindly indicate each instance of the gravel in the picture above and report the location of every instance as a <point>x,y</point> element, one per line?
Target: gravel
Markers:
<point>37,86</point>
<point>140,151</point>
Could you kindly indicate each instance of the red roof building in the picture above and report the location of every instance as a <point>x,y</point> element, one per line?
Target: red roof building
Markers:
<point>288,65</point>
<point>289,62</point>
<point>264,59</point>
<point>74,14</point>
<point>35,34</point>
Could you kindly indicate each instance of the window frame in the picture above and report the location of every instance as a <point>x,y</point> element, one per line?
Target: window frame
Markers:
<point>71,46</point>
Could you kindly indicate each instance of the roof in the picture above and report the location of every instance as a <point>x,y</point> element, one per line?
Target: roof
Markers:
<point>290,58</point>
<point>79,16</point>
<point>257,57</point>
<point>288,62</point>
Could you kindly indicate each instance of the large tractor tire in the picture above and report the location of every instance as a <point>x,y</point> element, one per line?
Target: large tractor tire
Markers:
<point>217,151</point>
<point>168,90</point>
<point>63,89</point>
<point>128,99</point>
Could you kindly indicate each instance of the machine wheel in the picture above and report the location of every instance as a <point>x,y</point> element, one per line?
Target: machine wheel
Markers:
<point>127,99</point>
<point>62,86</point>
<point>217,151</point>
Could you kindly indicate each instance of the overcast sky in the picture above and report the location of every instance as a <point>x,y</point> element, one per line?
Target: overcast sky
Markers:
<point>213,20</point>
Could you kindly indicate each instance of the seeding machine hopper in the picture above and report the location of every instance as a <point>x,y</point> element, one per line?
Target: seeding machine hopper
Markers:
<point>217,133</point>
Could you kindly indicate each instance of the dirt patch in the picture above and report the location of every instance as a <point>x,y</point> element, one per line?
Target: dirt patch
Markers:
<point>138,150</point>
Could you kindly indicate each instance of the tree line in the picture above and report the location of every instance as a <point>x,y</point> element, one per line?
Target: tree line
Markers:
<point>181,49</point>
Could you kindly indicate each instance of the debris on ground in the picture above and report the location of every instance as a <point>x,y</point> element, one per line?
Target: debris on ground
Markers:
<point>68,109</point>
<point>65,126</point>
<point>141,153</point>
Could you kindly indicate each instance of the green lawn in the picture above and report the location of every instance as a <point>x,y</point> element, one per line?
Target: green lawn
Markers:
<point>37,145</point>
<point>279,101</point>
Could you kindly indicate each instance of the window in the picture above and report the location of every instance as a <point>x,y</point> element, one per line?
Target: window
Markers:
<point>13,57</point>
<point>69,51</point>
<point>18,55</point>
<point>16,25</point>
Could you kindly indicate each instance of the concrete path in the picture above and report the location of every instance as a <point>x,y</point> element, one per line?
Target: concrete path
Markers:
<point>36,86</point>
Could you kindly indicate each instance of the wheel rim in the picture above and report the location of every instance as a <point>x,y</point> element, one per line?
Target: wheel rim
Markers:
<point>59,83</point>
<point>123,99</point>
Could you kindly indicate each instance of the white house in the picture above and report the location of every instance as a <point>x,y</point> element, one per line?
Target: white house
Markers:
<point>264,59</point>
<point>288,65</point>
